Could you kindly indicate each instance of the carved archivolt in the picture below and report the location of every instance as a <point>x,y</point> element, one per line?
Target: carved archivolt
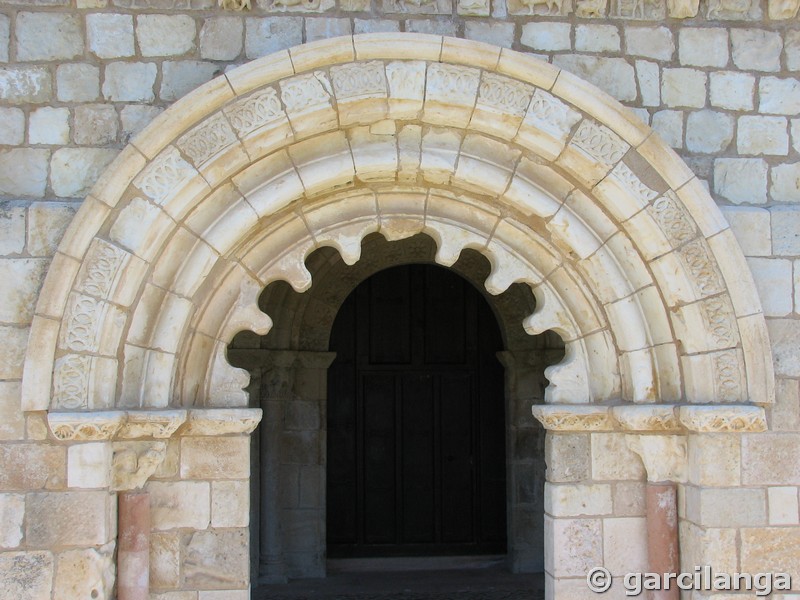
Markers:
<point>477,147</point>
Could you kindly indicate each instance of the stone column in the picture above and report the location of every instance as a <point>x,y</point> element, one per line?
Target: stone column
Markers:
<point>133,559</point>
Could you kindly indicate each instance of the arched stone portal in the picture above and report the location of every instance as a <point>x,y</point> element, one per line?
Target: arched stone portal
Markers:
<point>559,186</point>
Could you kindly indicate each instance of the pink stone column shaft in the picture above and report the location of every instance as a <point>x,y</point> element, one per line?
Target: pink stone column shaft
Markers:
<point>133,557</point>
<point>663,552</point>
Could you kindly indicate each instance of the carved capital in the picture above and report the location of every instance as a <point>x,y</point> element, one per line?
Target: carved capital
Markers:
<point>723,418</point>
<point>664,456</point>
<point>85,427</point>
<point>133,463</point>
<point>582,417</point>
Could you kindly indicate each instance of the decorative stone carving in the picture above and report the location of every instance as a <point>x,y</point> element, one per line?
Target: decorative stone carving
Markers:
<point>235,4</point>
<point>71,381</point>
<point>504,94</point>
<point>578,417</point>
<point>664,456</point>
<point>134,462</point>
<point>640,9</point>
<point>450,83</point>
<point>591,8</point>
<point>544,7</point>
<point>221,421</point>
<point>683,9</point>
<point>100,269</point>
<point>81,323</point>
<point>728,372</point>
<point>548,113</point>
<point>426,7</point>
<point>702,268</point>
<point>475,8</point>
<point>300,5</point>
<point>359,80</point>
<point>207,139</point>
<point>306,91</point>
<point>165,173</point>
<point>676,224</point>
<point>649,417</point>
<point>783,9</point>
<point>157,423</point>
<point>721,321</point>
<point>85,427</point>
<point>723,418</point>
<point>728,9</point>
<point>632,183</point>
<point>254,111</point>
<point>600,143</point>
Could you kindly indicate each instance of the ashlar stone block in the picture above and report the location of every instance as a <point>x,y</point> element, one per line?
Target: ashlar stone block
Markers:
<point>785,230</point>
<point>110,35</point>
<point>762,135</point>
<point>12,420</point>
<point>683,88</point>
<point>615,76</point>
<point>47,222</point>
<point>732,90</point>
<point>70,518</point>
<point>650,42</point>
<point>12,229</point>
<point>12,514</point>
<point>708,131</point>
<point>771,460</point>
<point>73,171</point>
<point>779,96</point>
<point>165,35</point>
<point>77,82</point>
<point>5,37</point>
<point>771,550</point>
<point>48,36</point>
<point>741,180</point>
<point>26,575</point>
<point>230,503</point>
<point>266,35</point>
<point>221,38</point>
<point>25,85</point>
<point>751,226</point>
<point>95,124</point>
<point>669,125</point>
<point>703,46</point>
<point>496,33</point>
<point>23,277</point>
<point>129,82</point>
<point>13,343</point>
<point>546,36</point>
<point>215,457</point>
<point>12,126</point>
<point>785,183</point>
<point>217,559</point>
<point>783,506</point>
<point>86,573</point>
<point>178,78</point>
<point>756,49</point>
<point>180,504</point>
<point>23,172</point>
<point>49,125</point>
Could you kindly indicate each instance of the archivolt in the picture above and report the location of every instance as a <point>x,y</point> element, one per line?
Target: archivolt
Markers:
<point>555,183</point>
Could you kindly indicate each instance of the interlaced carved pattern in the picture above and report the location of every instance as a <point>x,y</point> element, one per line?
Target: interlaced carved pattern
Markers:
<point>102,266</point>
<point>459,84</point>
<point>164,174</point>
<point>303,92</point>
<point>359,80</point>
<point>505,94</point>
<point>208,139</point>
<point>548,113</point>
<point>702,268</point>
<point>674,221</point>
<point>719,316</point>
<point>600,142</point>
<point>71,381</point>
<point>258,109</point>
<point>728,372</point>
<point>632,183</point>
<point>81,324</point>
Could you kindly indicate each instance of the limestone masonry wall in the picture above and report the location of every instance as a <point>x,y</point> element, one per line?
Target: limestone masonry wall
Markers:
<point>79,78</point>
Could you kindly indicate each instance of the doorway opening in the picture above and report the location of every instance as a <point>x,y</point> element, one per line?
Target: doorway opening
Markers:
<point>416,420</point>
<point>495,483</point>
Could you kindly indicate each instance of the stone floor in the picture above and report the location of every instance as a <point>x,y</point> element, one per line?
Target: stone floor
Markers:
<point>493,583</point>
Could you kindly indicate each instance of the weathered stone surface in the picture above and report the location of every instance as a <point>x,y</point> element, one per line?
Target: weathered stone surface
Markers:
<point>786,411</point>
<point>614,76</point>
<point>77,82</point>
<point>568,457</point>
<point>683,87</point>
<point>26,575</point>
<point>708,131</point>
<point>12,514</point>
<point>771,460</point>
<point>73,171</point>
<point>669,125</point>
<point>433,26</point>
<point>375,25</point>
<point>741,180</point>
<point>649,76</point>
<point>49,125</point>
<point>597,38</point>
<point>69,518</point>
<point>32,467</point>
<point>136,117</point>
<point>771,550</point>
<point>18,297</point>
<point>12,420</point>
<point>783,336</point>
<point>217,457</point>
<point>703,46</point>
<point>651,42</point>
<point>89,465</point>
<point>756,49</point>
<point>792,49</point>
<point>625,545</point>
<point>129,82</point>
<point>230,503</point>
<point>575,500</point>
<point>732,90</point>
<point>785,230</point>
<point>783,506</point>
<point>751,226</point>
<point>47,222</point>
<point>165,560</point>
<point>110,35</point>
<point>726,507</point>
<point>12,127</point>
<point>165,35</point>
<point>714,460</point>
<point>13,341</point>
<point>23,172</point>
<point>779,96</point>
<point>217,559</point>
<point>12,228</point>
<point>180,504</point>
<point>613,460</point>
<point>5,37</point>
<point>87,573</point>
<point>95,124</point>
<point>221,38</point>
<point>48,36</point>
<point>785,183</point>
<point>762,135</point>
<point>577,545</point>
<point>546,36</point>
<point>266,35</point>
<point>712,546</point>
<point>25,85</point>
<point>180,78</point>
<point>499,34</point>
<point>323,28</point>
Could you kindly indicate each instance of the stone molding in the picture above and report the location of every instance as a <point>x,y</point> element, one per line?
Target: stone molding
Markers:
<point>328,142</point>
<point>147,424</point>
<point>654,418</point>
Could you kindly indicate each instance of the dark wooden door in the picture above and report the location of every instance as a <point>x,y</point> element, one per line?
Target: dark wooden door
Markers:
<point>416,420</point>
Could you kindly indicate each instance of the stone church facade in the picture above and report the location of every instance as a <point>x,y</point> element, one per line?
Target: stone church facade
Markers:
<point>190,192</point>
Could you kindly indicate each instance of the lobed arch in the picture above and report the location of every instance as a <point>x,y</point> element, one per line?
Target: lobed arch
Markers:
<point>557,184</point>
